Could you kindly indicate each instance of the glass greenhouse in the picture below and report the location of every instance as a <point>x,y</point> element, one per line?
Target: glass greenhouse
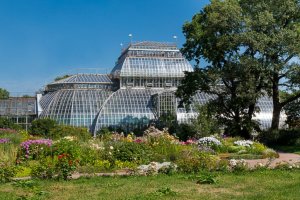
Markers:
<point>140,89</point>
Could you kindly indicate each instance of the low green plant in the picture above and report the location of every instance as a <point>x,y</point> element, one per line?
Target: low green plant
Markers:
<point>23,171</point>
<point>270,153</point>
<point>7,172</point>
<point>102,165</point>
<point>130,151</point>
<point>44,169</point>
<point>59,131</point>
<point>207,178</point>
<point>165,191</point>
<point>125,165</point>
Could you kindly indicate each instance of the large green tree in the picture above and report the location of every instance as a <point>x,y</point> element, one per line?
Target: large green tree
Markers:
<point>252,48</point>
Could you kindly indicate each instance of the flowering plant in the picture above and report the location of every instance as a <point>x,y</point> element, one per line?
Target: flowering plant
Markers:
<point>244,143</point>
<point>238,165</point>
<point>188,142</point>
<point>4,140</point>
<point>32,148</point>
<point>7,130</point>
<point>65,165</point>
<point>209,141</point>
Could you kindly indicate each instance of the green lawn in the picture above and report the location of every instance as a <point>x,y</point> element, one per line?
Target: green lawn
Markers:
<point>269,185</point>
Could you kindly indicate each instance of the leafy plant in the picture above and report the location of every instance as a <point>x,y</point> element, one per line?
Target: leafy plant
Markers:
<point>207,178</point>
<point>165,191</point>
<point>7,171</point>
<point>42,127</point>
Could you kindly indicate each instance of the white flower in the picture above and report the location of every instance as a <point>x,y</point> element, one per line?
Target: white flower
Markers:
<point>109,153</point>
<point>244,143</point>
<point>111,147</point>
<point>232,162</point>
<point>208,141</point>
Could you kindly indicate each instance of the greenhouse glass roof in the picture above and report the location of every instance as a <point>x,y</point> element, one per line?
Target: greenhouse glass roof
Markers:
<point>139,90</point>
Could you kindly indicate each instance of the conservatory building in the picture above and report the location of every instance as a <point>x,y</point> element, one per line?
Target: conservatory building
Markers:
<point>140,89</point>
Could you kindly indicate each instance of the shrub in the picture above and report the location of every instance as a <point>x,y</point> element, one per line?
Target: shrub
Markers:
<point>280,137</point>
<point>72,148</point>
<point>42,127</point>
<point>88,155</point>
<point>102,165</point>
<point>45,169</point>
<point>210,143</point>
<point>270,153</point>
<point>131,151</point>
<point>60,131</point>
<point>7,171</point>
<point>125,165</point>
<point>191,162</point>
<point>34,149</point>
<point>238,165</point>
<point>65,165</point>
<point>6,123</point>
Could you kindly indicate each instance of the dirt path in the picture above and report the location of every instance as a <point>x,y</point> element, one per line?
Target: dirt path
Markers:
<point>283,157</point>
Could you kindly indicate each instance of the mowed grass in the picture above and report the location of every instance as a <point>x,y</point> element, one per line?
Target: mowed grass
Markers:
<point>276,184</point>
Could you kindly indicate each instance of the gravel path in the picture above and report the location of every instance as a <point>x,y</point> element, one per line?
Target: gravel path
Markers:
<point>283,157</point>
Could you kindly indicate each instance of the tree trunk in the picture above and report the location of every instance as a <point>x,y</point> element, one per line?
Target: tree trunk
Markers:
<point>276,103</point>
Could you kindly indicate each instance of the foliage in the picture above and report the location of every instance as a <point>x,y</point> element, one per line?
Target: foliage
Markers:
<point>165,191</point>
<point>193,162</point>
<point>102,165</point>
<point>60,131</point>
<point>130,151</point>
<point>7,171</point>
<point>292,111</point>
<point>207,178</point>
<point>280,137</point>
<point>269,153</point>
<point>34,149</point>
<point>45,169</point>
<point>4,94</point>
<point>6,123</point>
<point>205,124</point>
<point>238,165</point>
<point>184,131</point>
<point>64,146</point>
<point>42,127</point>
<point>251,49</point>
<point>65,165</point>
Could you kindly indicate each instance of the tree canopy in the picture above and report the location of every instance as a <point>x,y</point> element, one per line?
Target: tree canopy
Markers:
<point>252,48</point>
<point>4,94</point>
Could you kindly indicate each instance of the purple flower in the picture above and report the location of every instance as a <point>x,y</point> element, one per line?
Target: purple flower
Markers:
<point>4,140</point>
<point>26,145</point>
<point>7,130</point>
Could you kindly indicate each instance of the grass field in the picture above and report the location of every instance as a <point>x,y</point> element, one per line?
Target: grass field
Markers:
<point>275,184</point>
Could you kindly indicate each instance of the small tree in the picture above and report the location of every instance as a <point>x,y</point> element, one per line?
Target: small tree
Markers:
<point>205,124</point>
<point>4,94</point>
